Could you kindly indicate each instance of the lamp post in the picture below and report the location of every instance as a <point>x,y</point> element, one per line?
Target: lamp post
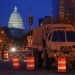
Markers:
<point>30,19</point>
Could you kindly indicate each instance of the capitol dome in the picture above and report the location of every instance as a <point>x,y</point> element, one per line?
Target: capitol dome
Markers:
<point>15,20</point>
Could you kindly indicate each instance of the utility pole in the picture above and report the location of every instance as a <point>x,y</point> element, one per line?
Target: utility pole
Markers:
<point>30,18</point>
<point>30,36</point>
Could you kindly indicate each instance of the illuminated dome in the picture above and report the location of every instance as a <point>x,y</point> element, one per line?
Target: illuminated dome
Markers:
<point>15,20</point>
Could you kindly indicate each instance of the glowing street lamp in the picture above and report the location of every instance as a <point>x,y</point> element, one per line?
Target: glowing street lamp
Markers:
<point>2,32</point>
<point>0,41</point>
<point>13,49</point>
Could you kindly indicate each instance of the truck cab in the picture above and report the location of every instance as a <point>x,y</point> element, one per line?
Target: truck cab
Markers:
<point>60,41</point>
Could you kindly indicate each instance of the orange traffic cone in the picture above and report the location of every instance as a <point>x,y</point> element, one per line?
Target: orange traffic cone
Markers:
<point>30,63</point>
<point>15,62</point>
<point>5,55</point>
<point>61,64</point>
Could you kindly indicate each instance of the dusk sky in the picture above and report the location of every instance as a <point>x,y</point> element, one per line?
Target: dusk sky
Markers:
<point>40,9</point>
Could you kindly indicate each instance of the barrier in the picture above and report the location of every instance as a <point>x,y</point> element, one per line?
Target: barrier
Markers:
<point>15,62</point>
<point>5,55</point>
<point>61,64</point>
<point>30,63</point>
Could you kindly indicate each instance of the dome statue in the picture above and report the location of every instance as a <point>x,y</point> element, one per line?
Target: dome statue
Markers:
<point>15,20</point>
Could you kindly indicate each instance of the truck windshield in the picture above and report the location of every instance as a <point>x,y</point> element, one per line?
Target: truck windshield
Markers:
<point>70,36</point>
<point>58,36</point>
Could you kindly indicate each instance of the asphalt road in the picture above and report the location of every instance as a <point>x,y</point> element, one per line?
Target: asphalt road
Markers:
<point>36,72</point>
<point>6,69</point>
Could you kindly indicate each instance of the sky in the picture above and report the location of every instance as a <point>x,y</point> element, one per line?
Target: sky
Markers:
<point>40,9</point>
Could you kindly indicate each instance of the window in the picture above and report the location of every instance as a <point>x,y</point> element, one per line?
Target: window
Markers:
<point>70,36</point>
<point>58,36</point>
<point>45,36</point>
<point>49,36</point>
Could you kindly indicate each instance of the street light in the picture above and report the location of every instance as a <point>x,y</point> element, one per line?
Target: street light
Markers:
<point>13,49</point>
<point>0,41</point>
<point>2,32</point>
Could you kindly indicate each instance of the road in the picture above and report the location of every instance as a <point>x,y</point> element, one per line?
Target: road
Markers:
<point>5,69</point>
<point>36,72</point>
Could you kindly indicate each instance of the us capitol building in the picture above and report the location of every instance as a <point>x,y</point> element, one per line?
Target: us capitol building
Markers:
<point>15,20</point>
